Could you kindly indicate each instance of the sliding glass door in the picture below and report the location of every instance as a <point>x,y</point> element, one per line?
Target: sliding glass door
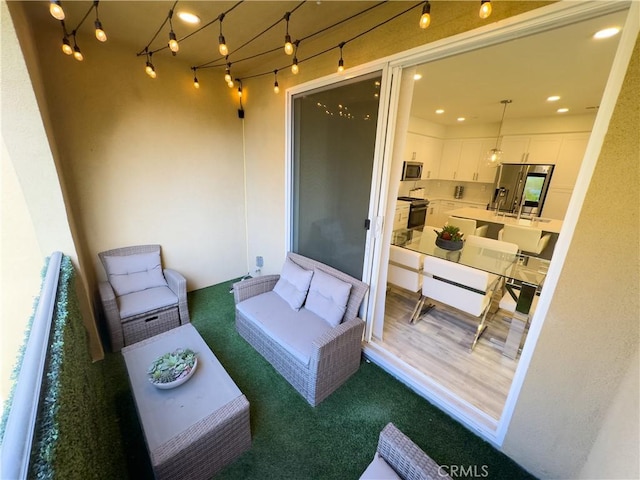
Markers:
<point>333,146</point>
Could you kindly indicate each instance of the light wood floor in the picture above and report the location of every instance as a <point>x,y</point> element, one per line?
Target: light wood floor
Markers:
<point>438,346</point>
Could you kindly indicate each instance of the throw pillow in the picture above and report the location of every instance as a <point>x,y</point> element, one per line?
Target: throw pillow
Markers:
<point>293,284</point>
<point>133,273</point>
<point>379,469</point>
<point>328,297</point>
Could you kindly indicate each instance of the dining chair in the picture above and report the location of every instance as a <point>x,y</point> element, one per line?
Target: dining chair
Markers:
<point>528,239</point>
<point>468,226</point>
<point>464,288</point>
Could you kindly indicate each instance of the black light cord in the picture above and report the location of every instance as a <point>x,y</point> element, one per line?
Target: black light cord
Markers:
<point>273,25</point>
<point>213,63</point>
<point>218,18</point>
<point>341,43</point>
<point>75,30</point>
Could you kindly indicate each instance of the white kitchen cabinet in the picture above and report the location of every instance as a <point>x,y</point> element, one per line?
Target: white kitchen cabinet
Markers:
<point>424,149</point>
<point>401,217</point>
<point>569,160</point>
<point>465,160</point>
<point>530,148</point>
<point>450,159</point>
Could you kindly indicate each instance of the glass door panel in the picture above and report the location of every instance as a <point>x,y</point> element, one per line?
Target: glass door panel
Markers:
<point>334,136</point>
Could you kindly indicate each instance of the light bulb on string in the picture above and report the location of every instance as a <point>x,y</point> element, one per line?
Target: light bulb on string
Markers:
<point>341,61</point>
<point>77,54</point>
<point>288,46</point>
<point>276,87</point>
<point>66,46</point>
<point>196,84</point>
<point>100,35</point>
<point>425,19</point>
<point>222,44</point>
<point>56,11</point>
<point>294,66</point>
<point>485,8</point>
<point>173,42</point>
<point>227,73</point>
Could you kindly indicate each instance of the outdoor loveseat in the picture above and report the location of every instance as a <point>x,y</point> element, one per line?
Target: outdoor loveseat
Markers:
<point>305,323</point>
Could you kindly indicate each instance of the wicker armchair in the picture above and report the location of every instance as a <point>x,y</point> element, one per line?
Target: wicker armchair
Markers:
<point>406,459</point>
<point>139,298</point>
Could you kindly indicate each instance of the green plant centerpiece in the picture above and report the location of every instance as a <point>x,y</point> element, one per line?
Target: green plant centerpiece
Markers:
<point>173,369</point>
<point>449,238</point>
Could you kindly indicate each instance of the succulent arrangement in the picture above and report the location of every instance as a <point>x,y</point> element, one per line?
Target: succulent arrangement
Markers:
<point>172,366</point>
<point>450,233</point>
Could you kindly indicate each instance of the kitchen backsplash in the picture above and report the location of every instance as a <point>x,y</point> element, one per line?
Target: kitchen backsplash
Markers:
<point>445,189</point>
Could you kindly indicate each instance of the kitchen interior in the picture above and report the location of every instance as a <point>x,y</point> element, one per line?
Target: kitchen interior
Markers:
<point>533,101</point>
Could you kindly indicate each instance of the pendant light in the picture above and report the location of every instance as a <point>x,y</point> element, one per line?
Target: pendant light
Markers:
<point>55,9</point>
<point>222,44</point>
<point>494,156</point>
<point>288,46</point>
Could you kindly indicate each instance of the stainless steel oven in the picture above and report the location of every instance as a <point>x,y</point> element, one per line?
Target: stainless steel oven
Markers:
<point>417,212</point>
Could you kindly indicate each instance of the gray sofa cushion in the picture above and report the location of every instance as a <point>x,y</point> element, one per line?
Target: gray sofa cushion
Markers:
<point>294,330</point>
<point>132,273</point>
<point>378,469</point>
<point>328,297</point>
<point>293,284</point>
<point>150,299</point>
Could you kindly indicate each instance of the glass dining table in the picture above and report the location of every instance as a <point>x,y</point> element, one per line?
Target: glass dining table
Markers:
<point>521,277</point>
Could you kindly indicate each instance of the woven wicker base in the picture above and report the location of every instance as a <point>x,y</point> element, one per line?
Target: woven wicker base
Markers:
<point>195,430</point>
<point>146,326</point>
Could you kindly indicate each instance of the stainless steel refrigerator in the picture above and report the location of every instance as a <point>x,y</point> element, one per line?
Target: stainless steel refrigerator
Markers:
<point>521,188</point>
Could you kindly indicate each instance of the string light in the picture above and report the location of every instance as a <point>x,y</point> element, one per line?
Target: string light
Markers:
<point>276,87</point>
<point>56,11</point>
<point>149,68</point>
<point>66,46</point>
<point>196,84</point>
<point>485,8</point>
<point>173,41</point>
<point>425,19</point>
<point>341,61</point>
<point>100,35</point>
<point>288,46</point>
<point>222,47</point>
<point>77,54</point>
<point>294,66</point>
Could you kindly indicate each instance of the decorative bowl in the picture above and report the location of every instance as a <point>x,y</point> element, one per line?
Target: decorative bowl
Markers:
<point>172,369</point>
<point>449,244</point>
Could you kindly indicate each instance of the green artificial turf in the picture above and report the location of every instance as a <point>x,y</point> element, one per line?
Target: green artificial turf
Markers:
<point>292,440</point>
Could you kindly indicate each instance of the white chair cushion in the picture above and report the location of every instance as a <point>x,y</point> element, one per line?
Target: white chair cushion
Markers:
<point>134,273</point>
<point>293,284</point>
<point>295,331</point>
<point>328,297</point>
<point>147,300</point>
<point>378,469</point>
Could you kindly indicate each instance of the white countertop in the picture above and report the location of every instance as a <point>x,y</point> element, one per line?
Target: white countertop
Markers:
<point>545,224</point>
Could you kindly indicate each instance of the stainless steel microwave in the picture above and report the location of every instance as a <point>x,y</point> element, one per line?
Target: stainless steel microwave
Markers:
<point>412,171</point>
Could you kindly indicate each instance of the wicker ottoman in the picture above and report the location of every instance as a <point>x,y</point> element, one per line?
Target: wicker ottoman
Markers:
<point>196,429</point>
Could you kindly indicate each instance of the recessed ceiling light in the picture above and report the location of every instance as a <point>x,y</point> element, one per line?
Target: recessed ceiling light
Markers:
<point>562,110</point>
<point>188,17</point>
<point>439,111</point>
<point>553,98</point>
<point>606,32</point>
<point>461,119</point>
<point>417,76</point>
